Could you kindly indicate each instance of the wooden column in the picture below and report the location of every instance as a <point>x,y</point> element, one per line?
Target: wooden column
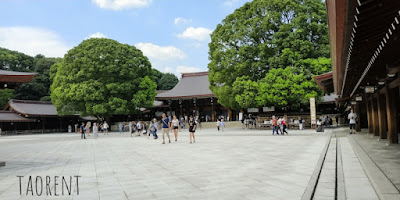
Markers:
<point>358,122</point>
<point>381,116</point>
<point>212,110</point>
<point>369,114</point>
<point>230,114</point>
<point>375,125</point>
<point>391,113</point>
<point>180,108</point>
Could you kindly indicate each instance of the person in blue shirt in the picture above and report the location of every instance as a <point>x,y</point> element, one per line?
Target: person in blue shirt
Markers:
<point>166,126</point>
<point>83,136</point>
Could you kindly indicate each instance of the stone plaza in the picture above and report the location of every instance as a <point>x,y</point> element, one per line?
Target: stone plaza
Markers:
<point>235,164</point>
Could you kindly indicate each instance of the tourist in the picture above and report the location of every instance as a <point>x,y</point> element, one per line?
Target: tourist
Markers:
<point>182,123</point>
<point>274,125</point>
<point>144,129</point>
<point>76,128</point>
<point>192,129</point>
<point>83,136</point>
<point>95,130</point>
<point>105,128</point>
<point>301,123</point>
<point>139,128</point>
<point>130,127</point>
<point>320,127</point>
<point>352,121</point>
<point>175,125</point>
<point>69,128</point>
<point>284,125</point>
<point>218,124</point>
<point>198,121</point>
<point>88,126</point>
<point>133,128</point>
<point>153,129</point>
<point>165,127</point>
<point>337,121</point>
<point>222,125</point>
<point>121,127</point>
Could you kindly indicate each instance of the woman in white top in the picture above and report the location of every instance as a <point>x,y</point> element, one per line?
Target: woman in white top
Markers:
<point>105,128</point>
<point>95,130</point>
<point>175,125</point>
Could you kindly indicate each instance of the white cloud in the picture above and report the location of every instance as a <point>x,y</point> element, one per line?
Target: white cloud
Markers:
<point>182,21</point>
<point>163,53</point>
<point>97,35</point>
<point>234,3</point>
<point>186,69</point>
<point>199,33</point>
<point>121,4</point>
<point>33,41</point>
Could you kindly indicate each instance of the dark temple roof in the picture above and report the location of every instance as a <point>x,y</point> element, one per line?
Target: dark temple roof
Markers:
<point>191,85</point>
<point>10,116</point>
<point>33,108</point>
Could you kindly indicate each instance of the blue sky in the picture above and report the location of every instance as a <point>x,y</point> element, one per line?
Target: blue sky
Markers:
<point>174,34</point>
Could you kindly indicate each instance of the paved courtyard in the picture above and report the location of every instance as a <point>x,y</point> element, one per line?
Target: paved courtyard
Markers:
<point>236,164</point>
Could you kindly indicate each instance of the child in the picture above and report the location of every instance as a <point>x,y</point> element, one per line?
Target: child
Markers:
<point>218,124</point>
<point>153,129</point>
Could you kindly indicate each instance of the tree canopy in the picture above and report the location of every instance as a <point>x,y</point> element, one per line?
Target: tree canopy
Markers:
<point>167,81</point>
<point>5,96</point>
<point>102,77</point>
<point>264,47</point>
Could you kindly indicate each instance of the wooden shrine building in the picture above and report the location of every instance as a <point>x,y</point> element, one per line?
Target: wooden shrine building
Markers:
<point>365,42</point>
<point>192,96</point>
<point>12,79</point>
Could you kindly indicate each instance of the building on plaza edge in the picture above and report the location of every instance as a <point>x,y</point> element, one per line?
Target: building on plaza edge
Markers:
<point>12,79</point>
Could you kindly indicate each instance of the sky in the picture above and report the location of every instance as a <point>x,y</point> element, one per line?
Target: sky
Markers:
<point>173,34</point>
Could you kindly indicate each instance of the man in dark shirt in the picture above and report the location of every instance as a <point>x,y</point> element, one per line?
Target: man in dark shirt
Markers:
<point>83,136</point>
<point>165,124</point>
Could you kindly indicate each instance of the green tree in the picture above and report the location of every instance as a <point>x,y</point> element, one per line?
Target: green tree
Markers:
<point>40,85</point>
<point>156,76</point>
<point>15,61</point>
<point>265,35</point>
<point>167,81</point>
<point>5,96</point>
<point>285,88</point>
<point>102,77</point>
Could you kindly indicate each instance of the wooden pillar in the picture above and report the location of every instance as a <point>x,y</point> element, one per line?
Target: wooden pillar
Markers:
<point>369,114</point>
<point>375,125</point>
<point>170,108</point>
<point>381,116</point>
<point>212,110</point>
<point>391,113</point>
<point>358,122</point>
<point>180,108</point>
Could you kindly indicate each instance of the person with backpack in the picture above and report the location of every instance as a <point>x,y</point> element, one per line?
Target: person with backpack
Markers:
<point>166,126</point>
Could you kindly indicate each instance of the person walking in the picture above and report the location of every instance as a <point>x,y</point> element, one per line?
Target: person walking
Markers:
<point>284,125</point>
<point>274,125</point>
<point>130,127</point>
<point>352,121</point>
<point>222,125</point>
<point>192,129</point>
<point>175,125</point>
<point>139,128</point>
<point>105,128</point>
<point>218,124</point>
<point>95,130</point>
<point>133,130</point>
<point>320,127</point>
<point>121,127</point>
<point>153,129</point>
<point>301,123</point>
<point>166,126</point>
<point>337,121</point>
<point>83,135</point>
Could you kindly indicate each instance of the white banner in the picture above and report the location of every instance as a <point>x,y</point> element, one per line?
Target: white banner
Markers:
<point>313,111</point>
<point>269,109</point>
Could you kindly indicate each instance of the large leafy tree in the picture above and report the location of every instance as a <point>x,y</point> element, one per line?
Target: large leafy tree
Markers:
<point>15,61</point>
<point>167,81</point>
<point>5,96</point>
<point>102,77</point>
<point>265,35</point>
<point>39,87</point>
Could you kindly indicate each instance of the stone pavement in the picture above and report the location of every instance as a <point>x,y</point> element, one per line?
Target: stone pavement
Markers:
<point>236,164</point>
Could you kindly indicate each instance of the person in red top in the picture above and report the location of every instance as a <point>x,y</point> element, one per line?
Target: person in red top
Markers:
<point>284,126</point>
<point>274,125</point>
